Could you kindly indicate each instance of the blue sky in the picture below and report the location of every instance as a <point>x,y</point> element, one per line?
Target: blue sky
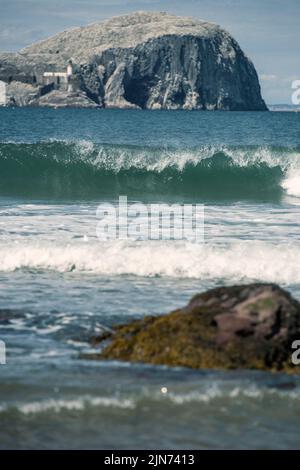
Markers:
<point>267,30</point>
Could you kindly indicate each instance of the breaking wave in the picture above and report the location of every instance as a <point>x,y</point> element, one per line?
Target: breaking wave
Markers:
<point>234,262</point>
<point>61,169</point>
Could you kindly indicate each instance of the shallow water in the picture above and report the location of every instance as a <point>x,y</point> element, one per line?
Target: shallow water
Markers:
<point>62,284</point>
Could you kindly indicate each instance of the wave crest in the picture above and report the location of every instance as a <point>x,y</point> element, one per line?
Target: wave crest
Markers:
<point>86,170</point>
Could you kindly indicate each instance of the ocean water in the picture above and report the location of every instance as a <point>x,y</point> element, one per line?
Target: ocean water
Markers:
<point>59,284</point>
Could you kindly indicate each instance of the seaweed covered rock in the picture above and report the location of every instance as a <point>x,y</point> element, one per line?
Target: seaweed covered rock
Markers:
<point>250,326</point>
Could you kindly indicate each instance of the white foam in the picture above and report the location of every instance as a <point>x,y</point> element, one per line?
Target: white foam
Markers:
<point>118,158</point>
<point>217,392</point>
<point>236,261</point>
<point>291,183</point>
<point>76,404</point>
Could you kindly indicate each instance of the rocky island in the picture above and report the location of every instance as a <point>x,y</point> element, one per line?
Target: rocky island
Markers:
<point>140,61</point>
<point>239,327</point>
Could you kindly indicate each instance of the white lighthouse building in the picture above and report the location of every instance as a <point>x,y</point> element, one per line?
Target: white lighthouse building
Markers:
<point>60,80</point>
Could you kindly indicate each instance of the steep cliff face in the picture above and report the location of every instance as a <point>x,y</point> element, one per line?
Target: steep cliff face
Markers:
<point>143,60</point>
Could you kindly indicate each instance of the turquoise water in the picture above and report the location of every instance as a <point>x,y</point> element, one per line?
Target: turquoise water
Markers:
<point>59,283</point>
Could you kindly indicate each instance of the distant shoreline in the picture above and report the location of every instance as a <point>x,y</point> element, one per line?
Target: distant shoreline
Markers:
<point>284,107</point>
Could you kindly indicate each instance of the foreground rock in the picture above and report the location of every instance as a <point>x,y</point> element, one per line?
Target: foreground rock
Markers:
<point>143,60</point>
<point>250,327</point>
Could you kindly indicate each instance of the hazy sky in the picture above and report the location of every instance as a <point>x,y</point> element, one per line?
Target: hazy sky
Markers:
<point>267,30</point>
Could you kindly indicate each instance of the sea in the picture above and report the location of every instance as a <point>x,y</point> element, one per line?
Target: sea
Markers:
<point>60,283</point>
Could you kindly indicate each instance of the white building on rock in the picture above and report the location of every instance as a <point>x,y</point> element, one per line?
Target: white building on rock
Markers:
<point>61,80</point>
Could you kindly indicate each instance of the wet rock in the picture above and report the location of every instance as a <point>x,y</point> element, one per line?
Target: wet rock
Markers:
<point>22,94</point>
<point>61,99</point>
<point>249,327</point>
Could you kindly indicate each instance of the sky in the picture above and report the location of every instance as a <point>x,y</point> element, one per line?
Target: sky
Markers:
<point>267,30</point>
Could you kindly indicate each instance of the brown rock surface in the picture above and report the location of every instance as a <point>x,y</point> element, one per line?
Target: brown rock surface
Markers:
<point>249,326</point>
